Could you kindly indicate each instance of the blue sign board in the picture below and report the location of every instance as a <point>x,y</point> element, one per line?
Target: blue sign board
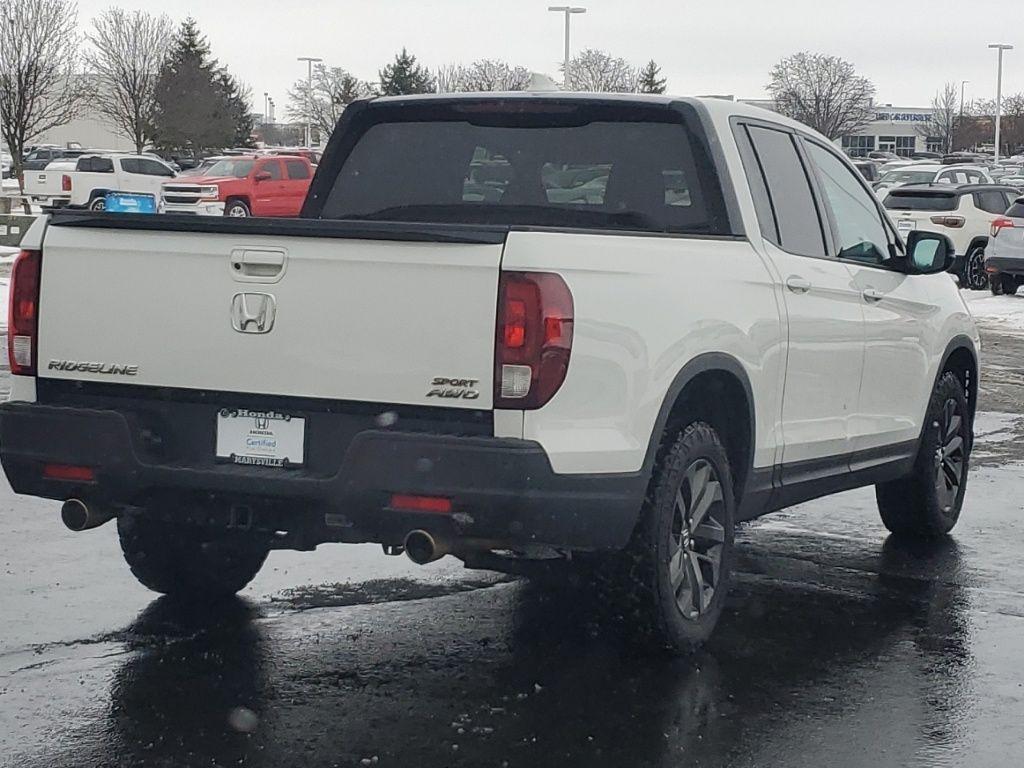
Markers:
<point>130,202</point>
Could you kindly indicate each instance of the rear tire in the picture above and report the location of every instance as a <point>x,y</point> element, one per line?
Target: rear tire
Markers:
<point>1010,285</point>
<point>98,204</point>
<point>996,285</point>
<point>975,276</point>
<point>927,503</point>
<point>189,562</point>
<point>680,561</point>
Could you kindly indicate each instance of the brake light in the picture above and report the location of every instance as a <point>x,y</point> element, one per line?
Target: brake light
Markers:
<point>23,313</point>
<point>949,221</point>
<point>65,183</point>
<point>533,340</point>
<point>69,472</point>
<point>1000,224</point>
<point>436,504</point>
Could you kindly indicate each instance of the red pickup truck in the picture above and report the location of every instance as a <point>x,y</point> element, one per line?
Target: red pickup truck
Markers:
<point>247,185</point>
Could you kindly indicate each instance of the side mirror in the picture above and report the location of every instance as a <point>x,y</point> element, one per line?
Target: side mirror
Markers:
<point>262,176</point>
<point>929,253</point>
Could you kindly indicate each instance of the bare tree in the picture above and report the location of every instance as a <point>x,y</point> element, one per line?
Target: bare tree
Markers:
<point>491,75</point>
<point>599,71</point>
<point>334,89</point>
<point>824,92</point>
<point>128,50</point>
<point>945,117</point>
<point>449,78</point>
<point>481,75</point>
<point>39,87</point>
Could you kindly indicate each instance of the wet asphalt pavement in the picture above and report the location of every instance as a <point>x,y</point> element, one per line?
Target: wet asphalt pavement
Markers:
<point>839,647</point>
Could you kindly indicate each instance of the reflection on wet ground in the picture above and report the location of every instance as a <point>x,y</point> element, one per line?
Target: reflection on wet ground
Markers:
<point>866,660</point>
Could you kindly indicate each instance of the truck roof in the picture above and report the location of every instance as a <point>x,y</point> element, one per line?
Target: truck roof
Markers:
<point>718,108</point>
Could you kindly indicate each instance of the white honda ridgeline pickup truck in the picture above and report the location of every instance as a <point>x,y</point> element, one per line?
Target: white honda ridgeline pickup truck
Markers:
<point>511,328</point>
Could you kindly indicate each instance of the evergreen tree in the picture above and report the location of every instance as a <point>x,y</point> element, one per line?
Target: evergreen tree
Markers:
<point>198,105</point>
<point>650,80</point>
<point>404,76</point>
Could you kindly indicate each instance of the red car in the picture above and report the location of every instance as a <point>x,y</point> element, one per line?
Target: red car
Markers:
<point>243,186</point>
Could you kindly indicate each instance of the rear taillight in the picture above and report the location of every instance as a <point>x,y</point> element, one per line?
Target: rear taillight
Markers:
<point>534,339</point>
<point>23,313</point>
<point>1000,224</point>
<point>949,221</point>
<point>65,183</point>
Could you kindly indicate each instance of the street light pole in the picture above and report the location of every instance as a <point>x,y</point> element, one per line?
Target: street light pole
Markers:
<point>999,93</point>
<point>309,98</point>
<point>960,123</point>
<point>568,10</point>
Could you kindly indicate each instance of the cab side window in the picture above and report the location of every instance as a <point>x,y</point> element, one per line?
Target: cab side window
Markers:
<point>859,231</point>
<point>273,167</point>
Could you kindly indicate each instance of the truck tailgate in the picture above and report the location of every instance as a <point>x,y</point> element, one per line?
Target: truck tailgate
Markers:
<point>352,317</point>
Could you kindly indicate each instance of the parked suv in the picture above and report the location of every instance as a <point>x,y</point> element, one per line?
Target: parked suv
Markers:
<point>965,214</point>
<point>931,173</point>
<point>1004,257</point>
<point>239,187</point>
<point>729,326</point>
<point>40,157</point>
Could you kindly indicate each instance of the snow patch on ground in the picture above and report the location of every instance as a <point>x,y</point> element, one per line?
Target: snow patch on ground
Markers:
<point>1004,313</point>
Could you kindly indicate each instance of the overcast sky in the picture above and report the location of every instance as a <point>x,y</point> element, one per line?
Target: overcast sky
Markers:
<point>720,47</point>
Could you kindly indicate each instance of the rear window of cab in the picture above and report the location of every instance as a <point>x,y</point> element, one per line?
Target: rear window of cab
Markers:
<point>560,165</point>
<point>898,200</point>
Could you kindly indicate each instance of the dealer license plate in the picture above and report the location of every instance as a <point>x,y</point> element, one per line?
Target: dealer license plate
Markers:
<point>260,438</point>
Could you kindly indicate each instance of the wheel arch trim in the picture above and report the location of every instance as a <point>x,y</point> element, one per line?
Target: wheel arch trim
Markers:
<point>708,362</point>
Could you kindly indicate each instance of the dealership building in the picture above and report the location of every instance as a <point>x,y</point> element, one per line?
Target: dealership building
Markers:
<point>901,130</point>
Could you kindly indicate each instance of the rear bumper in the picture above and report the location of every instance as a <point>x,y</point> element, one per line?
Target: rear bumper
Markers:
<point>502,490</point>
<point>1007,265</point>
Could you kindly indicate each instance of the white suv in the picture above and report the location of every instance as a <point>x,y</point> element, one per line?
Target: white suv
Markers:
<point>724,325</point>
<point>931,173</point>
<point>965,214</point>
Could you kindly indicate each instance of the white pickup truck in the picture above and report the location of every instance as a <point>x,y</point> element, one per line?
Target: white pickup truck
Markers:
<point>443,356</point>
<point>46,187</point>
<point>96,175</point>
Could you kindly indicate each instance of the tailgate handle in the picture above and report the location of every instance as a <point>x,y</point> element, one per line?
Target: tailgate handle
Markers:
<point>258,265</point>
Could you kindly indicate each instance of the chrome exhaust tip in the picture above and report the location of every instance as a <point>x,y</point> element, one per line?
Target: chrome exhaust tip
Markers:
<point>422,548</point>
<point>78,516</point>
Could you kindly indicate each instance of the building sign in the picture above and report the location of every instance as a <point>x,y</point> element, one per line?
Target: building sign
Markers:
<point>902,117</point>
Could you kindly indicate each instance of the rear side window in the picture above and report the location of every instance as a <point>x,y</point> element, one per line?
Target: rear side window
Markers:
<point>130,165</point>
<point>546,170</point>
<point>899,200</point>
<point>793,207</point>
<point>297,169</point>
<point>991,201</point>
<point>95,165</point>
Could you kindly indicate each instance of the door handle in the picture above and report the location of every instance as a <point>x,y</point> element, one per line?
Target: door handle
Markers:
<point>258,265</point>
<point>798,284</point>
<point>870,294</point>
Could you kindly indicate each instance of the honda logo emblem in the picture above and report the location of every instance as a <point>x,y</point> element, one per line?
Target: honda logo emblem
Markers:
<point>253,312</point>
